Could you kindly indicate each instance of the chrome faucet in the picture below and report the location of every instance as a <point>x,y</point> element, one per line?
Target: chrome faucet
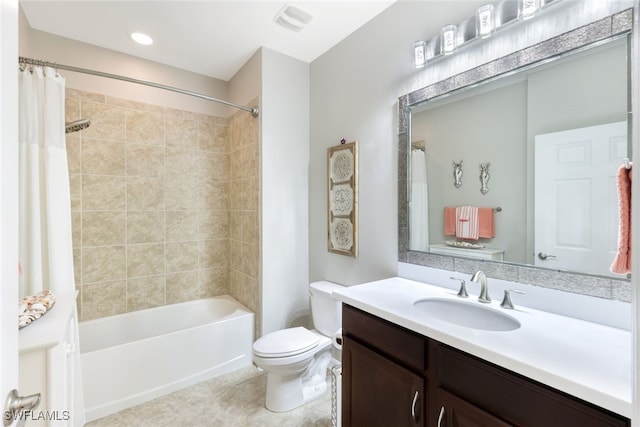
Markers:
<point>479,277</point>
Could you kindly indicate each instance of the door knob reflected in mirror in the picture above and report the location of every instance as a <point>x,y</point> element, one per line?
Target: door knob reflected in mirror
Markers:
<point>544,256</point>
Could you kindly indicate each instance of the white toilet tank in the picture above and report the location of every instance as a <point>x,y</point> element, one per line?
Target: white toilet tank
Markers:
<point>325,311</point>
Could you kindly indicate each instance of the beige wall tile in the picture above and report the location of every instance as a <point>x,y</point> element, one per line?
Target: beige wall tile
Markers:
<point>250,260</point>
<point>74,152</point>
<point>158,219</point>
<point>103,264</point>
<point>102,157</point>
<point>182,256</point>
<point>250,227</point>
<point>71,109</point>
<point>213,166</point>
<point>213,282</point>
<point>181,163</point>
<point>145,194</point>
<point>145,226</point>
<point>103,299</point>
<point>213,225</point>
<point>213,195</point>
<point>145,260</point>
<point>75,187</point>
<point>235,191</point>
<point>103,193</point>
<point>213,136</point>
<point>181,132</point>
<point>107,121</point>
<point>245,290</point>
<point>213,253</point>
<point>145,292</point>
<point>181,193</point>
<point>103,228</point>
<point>77,266</point>
<point>182,225</point>
<point>244,162</point>
<point>145,160</point>
<point>251,203</point>
<point>235,255</point>
<point>144,127</point>
<point>76,229</point>
<point>235,225</point>
<point>182,286</point>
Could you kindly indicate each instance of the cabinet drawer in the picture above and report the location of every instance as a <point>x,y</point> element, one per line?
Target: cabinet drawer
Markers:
<point>396,343</point>
<point>517,399</point>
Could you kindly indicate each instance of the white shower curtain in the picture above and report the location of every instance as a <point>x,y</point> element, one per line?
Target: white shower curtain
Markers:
<point>419,231</point>
<point>45,241</point>
<point>46,252</point>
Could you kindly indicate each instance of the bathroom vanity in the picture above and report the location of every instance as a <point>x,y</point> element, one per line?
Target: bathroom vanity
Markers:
<point>403,366</point>
<point>47,364</point>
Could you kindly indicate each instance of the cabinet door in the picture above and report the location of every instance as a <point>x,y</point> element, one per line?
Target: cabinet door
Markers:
<point>456,412</point>
<point>377,391</point>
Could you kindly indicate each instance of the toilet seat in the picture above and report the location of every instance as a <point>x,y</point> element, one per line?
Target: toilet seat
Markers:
<point>286,343</point>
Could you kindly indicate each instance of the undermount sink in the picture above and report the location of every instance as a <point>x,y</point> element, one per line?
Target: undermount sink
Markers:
<point>467,314</point>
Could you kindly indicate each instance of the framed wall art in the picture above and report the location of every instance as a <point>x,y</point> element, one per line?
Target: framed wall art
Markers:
<point>342,165</point>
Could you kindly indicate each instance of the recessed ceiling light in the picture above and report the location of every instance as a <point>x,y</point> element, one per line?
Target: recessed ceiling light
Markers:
<point>141,38</point>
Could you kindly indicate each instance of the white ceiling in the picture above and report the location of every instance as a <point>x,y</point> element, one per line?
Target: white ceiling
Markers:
<point>214,38</point>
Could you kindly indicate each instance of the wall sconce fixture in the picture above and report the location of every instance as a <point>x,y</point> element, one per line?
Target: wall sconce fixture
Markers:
<point>528,8</point>
<point>420,53</point>
<point>488,19</point>
<point>448,39</point>
<point>485,21</point>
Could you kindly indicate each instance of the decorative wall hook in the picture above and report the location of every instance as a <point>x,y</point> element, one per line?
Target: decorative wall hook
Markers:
<point>484,177</point>
<point>457,174</point>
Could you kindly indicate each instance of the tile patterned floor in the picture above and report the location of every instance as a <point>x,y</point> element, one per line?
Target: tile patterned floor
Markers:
<point>232,400</point>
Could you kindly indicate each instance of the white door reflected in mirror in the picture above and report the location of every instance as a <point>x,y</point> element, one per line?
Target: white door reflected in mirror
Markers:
<point>576,207</point>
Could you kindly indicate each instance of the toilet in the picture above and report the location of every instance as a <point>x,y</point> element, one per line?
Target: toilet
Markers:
<point>296,359</point>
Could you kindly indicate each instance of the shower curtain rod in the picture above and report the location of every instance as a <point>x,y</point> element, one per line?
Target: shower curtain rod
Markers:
<point>28,61</point>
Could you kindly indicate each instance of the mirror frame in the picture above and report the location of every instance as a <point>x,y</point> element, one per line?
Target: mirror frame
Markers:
<point>612,27</point>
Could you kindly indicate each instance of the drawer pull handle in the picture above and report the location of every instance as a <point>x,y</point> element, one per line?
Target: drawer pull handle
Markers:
<point>414,413</point>
<point>440,416</point>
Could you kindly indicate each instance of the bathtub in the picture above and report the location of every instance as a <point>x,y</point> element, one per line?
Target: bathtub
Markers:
<point>134,357</point>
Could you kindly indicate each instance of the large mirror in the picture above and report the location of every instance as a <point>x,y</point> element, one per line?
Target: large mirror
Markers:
<point>520,167</point>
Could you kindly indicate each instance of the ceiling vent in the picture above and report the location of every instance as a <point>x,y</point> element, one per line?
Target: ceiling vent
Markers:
<point>292,17</point>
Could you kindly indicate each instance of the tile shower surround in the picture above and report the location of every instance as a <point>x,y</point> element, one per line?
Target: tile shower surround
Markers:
<point>164,205</point>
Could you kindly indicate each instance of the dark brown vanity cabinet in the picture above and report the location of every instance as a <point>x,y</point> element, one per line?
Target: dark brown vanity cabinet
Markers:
<point>382,384</point>
<point>395,377</point>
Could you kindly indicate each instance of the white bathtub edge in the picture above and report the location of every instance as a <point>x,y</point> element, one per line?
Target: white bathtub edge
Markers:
<point>96,412</point>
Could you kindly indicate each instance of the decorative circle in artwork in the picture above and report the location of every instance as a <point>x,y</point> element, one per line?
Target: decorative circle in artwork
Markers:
<point>341,200</point>
<point>342,234</point>
<point>341,166</point>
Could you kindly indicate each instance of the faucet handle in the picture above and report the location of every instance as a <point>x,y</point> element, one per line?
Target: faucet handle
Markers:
<point>506,301</point>
<point>462,293</point>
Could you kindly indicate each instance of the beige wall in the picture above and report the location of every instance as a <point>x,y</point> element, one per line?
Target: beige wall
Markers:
<point>150,203</point>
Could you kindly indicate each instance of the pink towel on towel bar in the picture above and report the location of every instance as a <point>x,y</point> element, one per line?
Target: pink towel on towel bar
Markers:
<point>486,226</point>
<point>622,262</point>
<point>467,226</point>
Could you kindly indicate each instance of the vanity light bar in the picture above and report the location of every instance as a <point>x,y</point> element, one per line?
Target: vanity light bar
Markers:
<point>488,18</point>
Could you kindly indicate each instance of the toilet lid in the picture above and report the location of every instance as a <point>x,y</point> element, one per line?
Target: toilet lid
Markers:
<point>286,342</point>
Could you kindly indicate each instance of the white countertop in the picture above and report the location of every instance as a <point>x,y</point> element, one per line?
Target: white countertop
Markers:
<point>50,329</point>
<point>584,359</point>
